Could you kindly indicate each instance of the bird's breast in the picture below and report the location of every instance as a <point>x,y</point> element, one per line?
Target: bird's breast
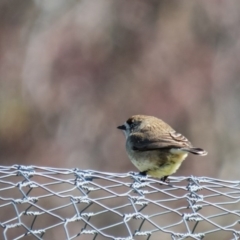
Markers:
<point>157,163</point>
<point>143,160</point>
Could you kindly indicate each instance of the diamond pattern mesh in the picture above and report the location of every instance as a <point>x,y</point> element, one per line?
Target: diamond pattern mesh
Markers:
<point>54,203</point>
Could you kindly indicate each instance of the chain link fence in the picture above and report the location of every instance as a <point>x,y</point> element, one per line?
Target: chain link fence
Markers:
<point>56,203</point>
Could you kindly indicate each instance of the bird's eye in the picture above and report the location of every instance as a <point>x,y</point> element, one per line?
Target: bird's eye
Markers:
<point>130,122</point>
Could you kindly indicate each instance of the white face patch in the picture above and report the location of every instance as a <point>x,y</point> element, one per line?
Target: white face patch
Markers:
<point>127,131</point>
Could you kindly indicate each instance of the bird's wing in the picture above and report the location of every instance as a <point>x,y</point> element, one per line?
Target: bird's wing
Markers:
<point>172,139</point>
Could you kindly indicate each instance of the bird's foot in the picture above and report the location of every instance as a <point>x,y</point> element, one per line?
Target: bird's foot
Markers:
<point>165,179</point>
<point>144,173</point>
<point>141,176</point>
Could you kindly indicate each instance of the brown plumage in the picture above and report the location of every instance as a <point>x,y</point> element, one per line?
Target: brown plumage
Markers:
<point>154,147</point>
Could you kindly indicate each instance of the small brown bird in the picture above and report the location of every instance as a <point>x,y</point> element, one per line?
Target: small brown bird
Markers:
<point>154,147</point>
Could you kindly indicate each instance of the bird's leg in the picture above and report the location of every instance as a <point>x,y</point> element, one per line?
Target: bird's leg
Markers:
<point>144,173</point>
<point>165,179</point>
<point>140,177</point>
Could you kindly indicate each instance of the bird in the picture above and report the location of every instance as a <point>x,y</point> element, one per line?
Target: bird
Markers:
<point>154,147</point>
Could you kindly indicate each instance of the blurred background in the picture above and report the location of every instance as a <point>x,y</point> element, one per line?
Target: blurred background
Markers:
<point>72,71</point>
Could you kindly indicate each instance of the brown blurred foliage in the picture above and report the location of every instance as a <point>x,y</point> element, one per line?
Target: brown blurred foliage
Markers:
<point>71,71</point>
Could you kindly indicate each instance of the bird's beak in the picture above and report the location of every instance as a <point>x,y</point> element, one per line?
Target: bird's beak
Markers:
<point>122,127</point>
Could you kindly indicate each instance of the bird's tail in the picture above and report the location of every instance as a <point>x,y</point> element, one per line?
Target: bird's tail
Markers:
<point>197,151</point>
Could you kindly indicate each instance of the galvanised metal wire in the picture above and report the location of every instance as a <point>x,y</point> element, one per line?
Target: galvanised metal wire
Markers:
<point>57,203</point>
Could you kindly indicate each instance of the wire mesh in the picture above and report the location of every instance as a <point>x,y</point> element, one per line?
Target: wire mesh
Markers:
<point>56,203</point>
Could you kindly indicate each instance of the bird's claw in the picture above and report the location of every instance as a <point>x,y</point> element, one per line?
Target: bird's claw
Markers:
<point>165,179</point>
<point>141,175</point>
